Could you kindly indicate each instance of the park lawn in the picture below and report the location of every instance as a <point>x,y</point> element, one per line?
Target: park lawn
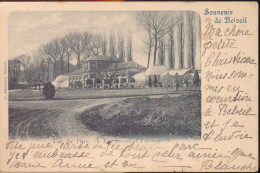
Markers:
<point>36,95</point>
<point>25,95</point>
<point>144,116</point>
<point>78,93</point>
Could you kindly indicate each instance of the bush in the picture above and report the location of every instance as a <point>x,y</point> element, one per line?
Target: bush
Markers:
<point>132,79</point>
<point>77,84</point>
<point>116,80</point>
<point>48,90</point>
<point>150,81</point>
<point>196,78</point>
<point>123,80</point>
<point>98,81</point>
<point>155,80</point>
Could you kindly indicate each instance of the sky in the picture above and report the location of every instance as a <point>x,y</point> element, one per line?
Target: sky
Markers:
<point>27,31</point>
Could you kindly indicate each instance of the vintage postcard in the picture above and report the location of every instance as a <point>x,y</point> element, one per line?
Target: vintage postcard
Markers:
<point>129,86</point>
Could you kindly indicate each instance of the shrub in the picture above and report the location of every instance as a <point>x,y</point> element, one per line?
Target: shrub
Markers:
<point>116,80</point>
<point>78,84</point>
<point>48,90</point>
<point>123,80</point>
<point>155,80</point>
<point>98,81</point>
<point>150,81</point>
<point>132,79</point>
<point>196,78</point>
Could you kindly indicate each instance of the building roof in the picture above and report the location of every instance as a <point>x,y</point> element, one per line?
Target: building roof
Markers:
<point>76,72</point>
<point>179,71</point>
<point>61,78</point>
<point>156,70</point>
<point>101,58</point>
<point>139,76</point>
<point>130,65</point>
<point>124,67</point>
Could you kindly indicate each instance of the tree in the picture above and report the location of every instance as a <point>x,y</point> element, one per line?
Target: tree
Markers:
<point>149,82</point>
<point>79,44</point>
<point>123,82</point>
<point>96,44</point>
<point>112,45</point>
<point>196,78</point>
<point>116,81</point>
<point>169,61</point>
<point>63,50</point>
<point>132,81</point>
<point>108,72</point>
<point>104,45</point>
<point>121,46</point>
<point>40,67</point>
<point>194,31</point>
<point>176,81</point>
<point>98,82</point>
<point>181,33</point>
<point>157,24</point>
<point>52,51</point>
<point>155,80</point>
<point>129,47</point>
<point>149,45</point>
<point>161,52</point>
<point>14,70</point>
<point>89,83</point>
<point>29,67</point>
<point>68,51</point>
<point>167,80</point>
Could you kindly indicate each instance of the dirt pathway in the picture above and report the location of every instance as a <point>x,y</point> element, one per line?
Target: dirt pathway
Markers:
<point>49,119</point>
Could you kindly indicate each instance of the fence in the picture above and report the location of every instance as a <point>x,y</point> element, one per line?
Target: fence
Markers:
<point>107,93</point>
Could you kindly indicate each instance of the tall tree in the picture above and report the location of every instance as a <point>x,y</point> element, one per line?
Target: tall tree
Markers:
<point>27,67</point>
<point>68,51</point>
<point>169,61</point>
<point>157,24</point>
<point>129,47</point>
<point>96,44</point>
<point>52,51</point>
<point>39,63</point>
<point>104,45</point>
<point>194,35</point>
<point>161,52</point>
<point>181,33</point>
<point>79,44</point>
<point>112,45</point>
<point>14,70</point>
<point>61,53</point>
<point>187,38</point>
<point>121,46</point>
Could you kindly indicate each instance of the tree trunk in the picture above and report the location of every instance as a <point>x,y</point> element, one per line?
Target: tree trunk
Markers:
<point>68,63</point>
<point>48,71</point>
<point>78,61</point>
<point>149,56</point>
<point>54,70</point>
<point>155,50</point>
<point>61,65</point>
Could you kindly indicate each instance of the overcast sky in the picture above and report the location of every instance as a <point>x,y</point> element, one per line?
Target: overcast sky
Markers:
<point>29,30</point>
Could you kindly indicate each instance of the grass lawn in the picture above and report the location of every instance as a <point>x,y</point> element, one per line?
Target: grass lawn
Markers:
<point>144,116</point>
<point>78,93</point>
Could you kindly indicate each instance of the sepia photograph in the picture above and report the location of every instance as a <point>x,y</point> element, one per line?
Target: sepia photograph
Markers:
<point>129,74</point>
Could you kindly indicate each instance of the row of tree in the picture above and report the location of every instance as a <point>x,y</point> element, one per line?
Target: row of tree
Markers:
<point>173,38</point>
<point>54,58</point>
